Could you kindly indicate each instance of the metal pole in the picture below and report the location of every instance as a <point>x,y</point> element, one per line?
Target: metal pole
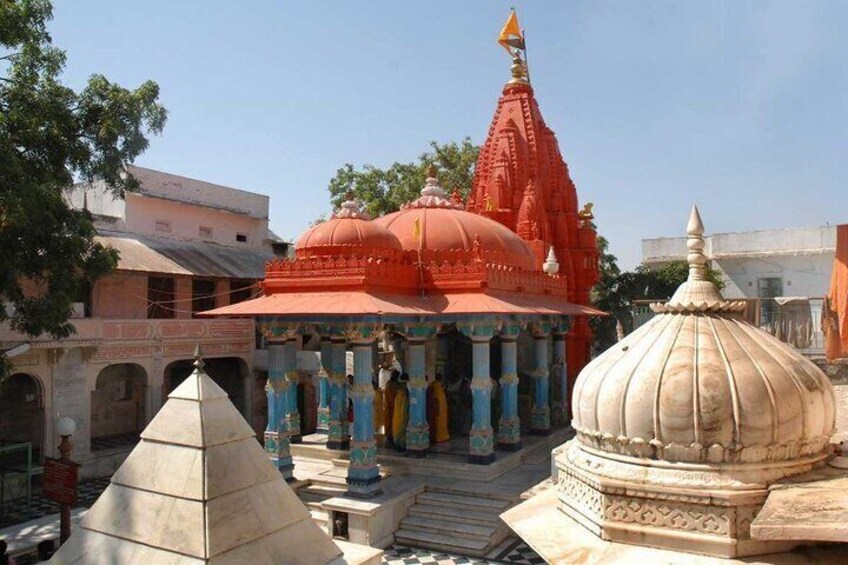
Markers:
<point>64,509</point>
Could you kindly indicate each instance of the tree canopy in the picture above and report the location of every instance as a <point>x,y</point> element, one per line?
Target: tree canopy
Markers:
<point>51,136</point>
<point>386,190</point>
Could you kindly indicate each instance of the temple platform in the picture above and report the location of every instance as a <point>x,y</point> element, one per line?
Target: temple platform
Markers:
<point>446,460</point>
<point>440,502</point>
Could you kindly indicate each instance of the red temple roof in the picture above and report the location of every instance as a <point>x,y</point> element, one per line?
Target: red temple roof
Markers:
<point>435,258</point>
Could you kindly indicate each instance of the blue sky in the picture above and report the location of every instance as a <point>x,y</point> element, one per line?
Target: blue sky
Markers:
<point>738,106</point>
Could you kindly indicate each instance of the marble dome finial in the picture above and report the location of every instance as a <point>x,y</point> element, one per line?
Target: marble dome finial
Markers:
<point>695,244</point>
<point>350,208</point>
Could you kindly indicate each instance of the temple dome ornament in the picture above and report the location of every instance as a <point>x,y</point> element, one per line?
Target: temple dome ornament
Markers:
<point>348,232</point>
<point>699,406</point>
<point>437,228</point>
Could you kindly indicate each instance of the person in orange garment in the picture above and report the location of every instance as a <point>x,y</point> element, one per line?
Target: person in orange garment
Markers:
<point>389,405</point>
<point>437,410</point>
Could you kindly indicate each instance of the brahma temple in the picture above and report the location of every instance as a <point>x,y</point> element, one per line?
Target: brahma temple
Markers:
<point>492,292</point>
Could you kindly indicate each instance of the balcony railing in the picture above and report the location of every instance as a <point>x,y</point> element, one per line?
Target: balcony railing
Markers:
<point>793,320</point>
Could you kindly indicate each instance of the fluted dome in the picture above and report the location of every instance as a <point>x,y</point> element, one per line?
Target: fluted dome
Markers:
<point>441,230</point>
<point>348,232</point>
<point>697,383</point>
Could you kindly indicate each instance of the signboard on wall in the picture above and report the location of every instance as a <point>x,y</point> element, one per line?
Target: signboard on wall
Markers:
<point>60,481</point>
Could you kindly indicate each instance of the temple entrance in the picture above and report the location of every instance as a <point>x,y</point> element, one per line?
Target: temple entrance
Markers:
<point>118,406</point>
<point>22,413</point>
<point>228,372</point>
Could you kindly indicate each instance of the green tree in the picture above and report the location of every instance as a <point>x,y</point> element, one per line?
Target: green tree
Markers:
<point>617,291</point>
<point>51,136</point>
<point>386,190</point>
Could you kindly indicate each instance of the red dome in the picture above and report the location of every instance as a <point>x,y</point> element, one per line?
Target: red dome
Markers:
<point>449,234</point>
<point>348,236</point>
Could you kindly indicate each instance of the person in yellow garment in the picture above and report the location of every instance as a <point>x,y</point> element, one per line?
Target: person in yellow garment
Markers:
<point>377,403</point>
<point>389,394</point>
<point>400,415</point>
<point>437,410</point>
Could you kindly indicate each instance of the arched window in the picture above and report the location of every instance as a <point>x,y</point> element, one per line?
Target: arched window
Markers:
<point>22,412</point>
<point>118,406</point>
<point>229,373</point>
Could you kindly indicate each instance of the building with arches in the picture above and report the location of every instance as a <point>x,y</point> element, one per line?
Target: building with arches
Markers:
<point>185,246</point>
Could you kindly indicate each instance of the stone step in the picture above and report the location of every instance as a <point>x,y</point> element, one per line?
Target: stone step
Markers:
<point>492,505</point>
<point>322,490</point>
<point>465,490</point>
<point>457,515</point>
<point>439,542</point>
<point>320,517</point>
<point>446,528</point>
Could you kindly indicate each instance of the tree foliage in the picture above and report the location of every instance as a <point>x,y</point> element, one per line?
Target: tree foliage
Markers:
<point>617,291</point>
<point>51,136</point>
<point>386,190</point>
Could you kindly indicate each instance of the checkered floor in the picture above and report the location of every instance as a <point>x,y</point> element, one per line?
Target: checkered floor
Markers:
<point>518,554</point>
<point>15,512</point>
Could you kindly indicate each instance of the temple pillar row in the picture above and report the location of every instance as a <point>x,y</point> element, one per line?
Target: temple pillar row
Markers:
<point>363,474</point>
<point>481,440</point>
<point>540,415</point>
<point>324,386</point>
<point>509,426</point>
<point>417,430</point>
<point>338,435</point>
<point>560,379</point>
<point>277,436</point>
<point>293,377</point>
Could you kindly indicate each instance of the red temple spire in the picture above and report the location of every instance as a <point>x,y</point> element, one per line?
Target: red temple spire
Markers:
<point>522,181</point>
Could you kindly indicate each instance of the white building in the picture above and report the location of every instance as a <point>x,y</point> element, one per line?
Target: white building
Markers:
<point>760,264</point>
<point>783,274</point>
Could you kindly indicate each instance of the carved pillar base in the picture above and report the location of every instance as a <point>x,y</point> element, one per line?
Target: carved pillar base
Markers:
<point>540,421</point>
<point>324,419</point>
<point>509,434</point>
<point>279,451</point>
<point>481,446</point>
<point>363,475</point>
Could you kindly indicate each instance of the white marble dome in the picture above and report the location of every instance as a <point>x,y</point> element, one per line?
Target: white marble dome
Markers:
<point>697,383</point>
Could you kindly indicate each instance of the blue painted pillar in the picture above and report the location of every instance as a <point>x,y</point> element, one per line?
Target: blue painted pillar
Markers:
<point>363,474</point>
<point>509,426</point>
<point>481,438</point>
<point>338,436</point>
<point>277,437</point>
<point>417,430</point>
<point>560,379</point>
<point>540,416</point>
<point>324,387</point>
<point>293,415</point>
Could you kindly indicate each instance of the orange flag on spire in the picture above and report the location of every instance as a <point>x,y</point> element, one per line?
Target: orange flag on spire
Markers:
<point>511,35</point>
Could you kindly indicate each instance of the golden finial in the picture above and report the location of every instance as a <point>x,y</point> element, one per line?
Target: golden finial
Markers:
<point>518,70</point>
<point>432,172</point>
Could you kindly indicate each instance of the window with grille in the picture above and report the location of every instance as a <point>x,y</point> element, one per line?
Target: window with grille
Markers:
<point>160,297</point>
<point>202,295</point>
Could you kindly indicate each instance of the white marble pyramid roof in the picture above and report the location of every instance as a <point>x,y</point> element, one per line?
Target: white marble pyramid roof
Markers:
<point>198,488</point>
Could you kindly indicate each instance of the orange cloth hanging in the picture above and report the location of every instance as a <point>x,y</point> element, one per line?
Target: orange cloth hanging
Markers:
<point>835,311</point>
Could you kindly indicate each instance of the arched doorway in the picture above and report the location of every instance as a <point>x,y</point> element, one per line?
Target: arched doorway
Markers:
<point>22,413</point>
<point>228,373</point>
<point>118,406</point>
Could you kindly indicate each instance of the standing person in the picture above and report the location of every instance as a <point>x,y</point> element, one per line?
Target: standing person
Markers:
<point>389,403</point>
<point>437,410</point>
<point>377,407</point>
<point>400,415</point>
